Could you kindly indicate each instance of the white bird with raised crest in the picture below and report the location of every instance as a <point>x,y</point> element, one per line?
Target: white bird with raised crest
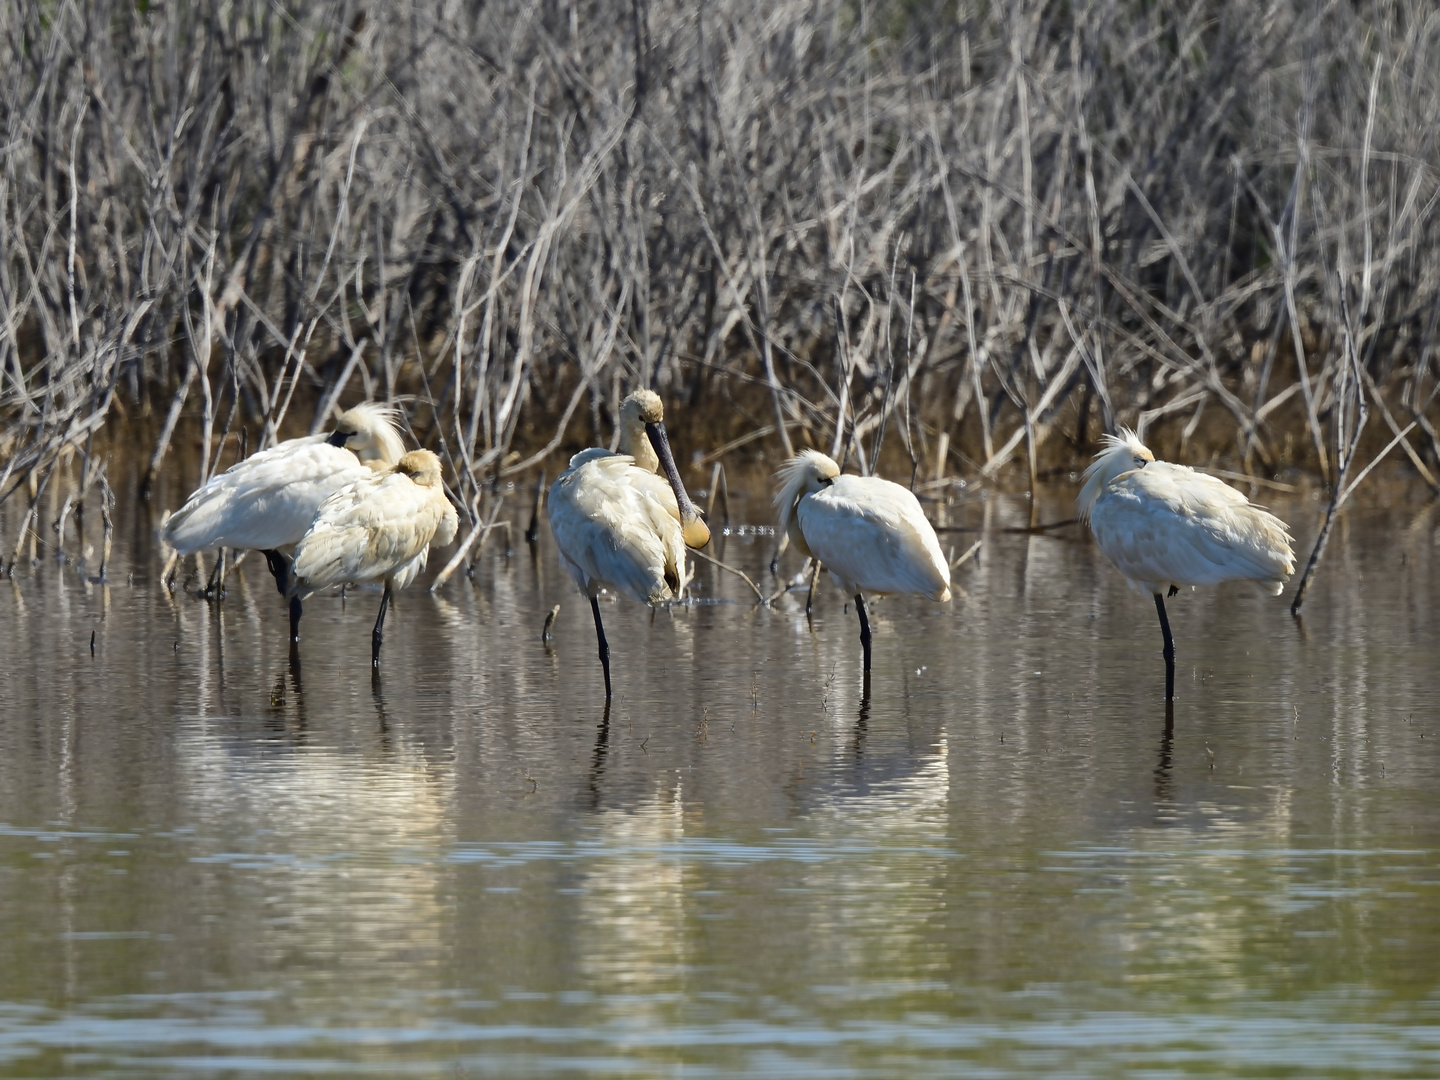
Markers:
<point>378,529</point>
<point>869,533</point>
<point>1165,525</point>
<point>618,524</point>
<point>266,502</point>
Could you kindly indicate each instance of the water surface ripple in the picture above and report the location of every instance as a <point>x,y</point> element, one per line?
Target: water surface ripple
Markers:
<point>219,860</point>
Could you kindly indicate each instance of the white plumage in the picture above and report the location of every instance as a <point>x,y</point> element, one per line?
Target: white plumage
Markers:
<point>267,501</point>
<point>618,525</point>
<point>1165,526</point>
<point>869,533</point>
<point>378,528</point>
<point>614,530</point>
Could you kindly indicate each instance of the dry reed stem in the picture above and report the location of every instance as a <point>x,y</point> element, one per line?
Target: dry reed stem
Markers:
<point>221,217</point>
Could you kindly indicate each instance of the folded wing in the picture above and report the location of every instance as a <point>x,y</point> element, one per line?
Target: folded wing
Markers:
<point>1168,524</point>
<point>613,528</point>
<point>872,535</point>
<point>379,526</point>
<point>266,501</point>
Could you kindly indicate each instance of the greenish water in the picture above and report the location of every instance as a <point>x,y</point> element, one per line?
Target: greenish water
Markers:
<point>219,862</point>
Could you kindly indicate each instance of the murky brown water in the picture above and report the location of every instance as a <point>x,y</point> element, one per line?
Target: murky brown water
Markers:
<point>1005,864</point>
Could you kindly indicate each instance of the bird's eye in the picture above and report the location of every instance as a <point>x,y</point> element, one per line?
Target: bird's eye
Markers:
<point>1139,462</point>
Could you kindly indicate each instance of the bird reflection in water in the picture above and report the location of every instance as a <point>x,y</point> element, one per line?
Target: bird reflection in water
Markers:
<point>377,695</point>
<point>284,695</point>
<point>633,949</point>
<point>862,723</point>
<point>1164,771</point>
<point>597,759</point>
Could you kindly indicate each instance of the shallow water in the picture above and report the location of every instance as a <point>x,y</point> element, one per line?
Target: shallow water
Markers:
<point>216,861</point>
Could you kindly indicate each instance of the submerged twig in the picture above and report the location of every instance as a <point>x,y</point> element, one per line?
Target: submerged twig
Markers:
<point>970,553</point>
<point>760,596</point>
<point>479,532</point>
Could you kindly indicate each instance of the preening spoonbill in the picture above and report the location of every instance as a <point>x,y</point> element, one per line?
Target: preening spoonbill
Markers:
<point>267,501</point>
<point>869,533</point>
<point>618,525</point>
<point>1164,526</point>
<point>378,528</point>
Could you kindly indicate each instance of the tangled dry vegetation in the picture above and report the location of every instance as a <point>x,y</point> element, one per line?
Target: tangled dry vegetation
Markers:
<point>992,230</point>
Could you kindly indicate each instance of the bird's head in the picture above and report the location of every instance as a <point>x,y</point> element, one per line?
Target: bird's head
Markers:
<point>421,466</point>
<point>640,411</point>
<point>642,407</point>
<point>806,473</point>
<point>1123,453</point>
<point>368,431</point>
<point>643,437</point>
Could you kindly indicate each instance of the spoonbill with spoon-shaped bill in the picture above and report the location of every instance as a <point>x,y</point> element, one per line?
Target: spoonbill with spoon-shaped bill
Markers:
<point>618,525</point>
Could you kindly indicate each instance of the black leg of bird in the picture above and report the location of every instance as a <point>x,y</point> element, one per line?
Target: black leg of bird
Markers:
<point>215,587</point>
<point>279,565</point>
<point>377,636</point>
<point>1169,651</point>
<point>810,593</point>
<point>604,645</point>
<point>864,629</point>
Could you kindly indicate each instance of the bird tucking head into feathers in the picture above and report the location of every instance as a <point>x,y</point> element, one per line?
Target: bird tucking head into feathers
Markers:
<point>368,431</point>
<point>806,473</point>
<point>1123,453</point>
<point>421,466</point>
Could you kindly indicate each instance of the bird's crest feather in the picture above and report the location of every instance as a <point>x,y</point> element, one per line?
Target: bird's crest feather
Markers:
<point>378,426</point>
<point>800,474</point>
<point>1122,453</point>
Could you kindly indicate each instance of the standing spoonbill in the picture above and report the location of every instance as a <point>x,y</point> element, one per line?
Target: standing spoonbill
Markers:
<point>1164,526</point>
<point>267,501</point>
<point>618,525</point>
<point>869,533</point>
<point>378,528</point>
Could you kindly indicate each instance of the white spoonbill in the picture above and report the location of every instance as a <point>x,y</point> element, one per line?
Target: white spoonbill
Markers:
<point>869,533</point>
<point>1164,526</point>
<point>378,528</point>
<point>618,525</point>
<point>267,501</point>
